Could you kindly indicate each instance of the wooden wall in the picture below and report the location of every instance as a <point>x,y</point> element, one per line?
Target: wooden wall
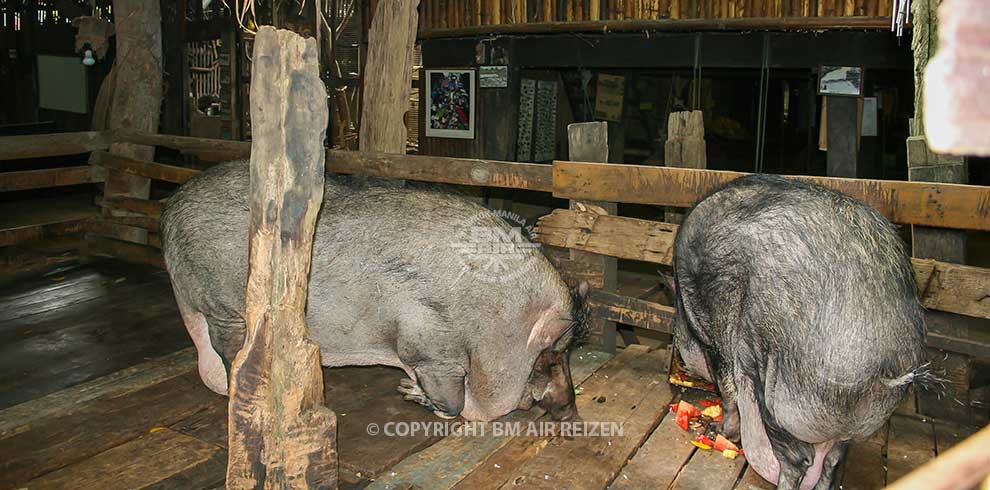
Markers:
<point>454,14</point>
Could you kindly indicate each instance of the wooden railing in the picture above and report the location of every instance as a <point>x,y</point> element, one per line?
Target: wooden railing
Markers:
<point>447,18</point>
<point>961,468</point>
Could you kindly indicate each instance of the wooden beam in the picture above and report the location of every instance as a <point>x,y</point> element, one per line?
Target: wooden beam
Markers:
<point>589,141</point>
<point>21,180</point>
<point>387,76</point>
<point>144,207</point>
<point>921,203</point>
<point>124,250</point>
<point>137,92</point>
<point>142,168</point>
<point>465,171</point>
<point>204,148</point>
<point>51,145</point>
<point>631,311</point>
<point>281,435</point>
<point>942,286</point>
<point>41,231</point>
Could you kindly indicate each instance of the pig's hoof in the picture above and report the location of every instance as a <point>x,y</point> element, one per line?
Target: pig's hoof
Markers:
<point>444,415</point>
<point>412,392</point>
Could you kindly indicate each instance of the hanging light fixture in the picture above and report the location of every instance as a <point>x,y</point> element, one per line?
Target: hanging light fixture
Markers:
<point>88,59</point>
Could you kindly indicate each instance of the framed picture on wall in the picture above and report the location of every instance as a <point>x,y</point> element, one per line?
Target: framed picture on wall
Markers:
<point>450,108</point>
<point>840,80</point>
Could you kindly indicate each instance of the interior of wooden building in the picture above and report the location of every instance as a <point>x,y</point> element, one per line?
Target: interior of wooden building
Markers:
<point>589,126</point>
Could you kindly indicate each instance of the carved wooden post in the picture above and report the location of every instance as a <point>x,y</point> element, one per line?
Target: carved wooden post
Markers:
<point>281,434</point>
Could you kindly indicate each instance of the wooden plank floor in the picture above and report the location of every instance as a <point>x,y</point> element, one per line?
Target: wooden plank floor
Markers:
<point>137,416</point>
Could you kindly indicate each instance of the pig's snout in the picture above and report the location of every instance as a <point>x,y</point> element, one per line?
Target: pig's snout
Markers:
<point>558,397</point>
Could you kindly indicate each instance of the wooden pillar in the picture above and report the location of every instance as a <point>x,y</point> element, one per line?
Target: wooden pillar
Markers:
<point>685,147</point>
<point>936,243</point>
<point>137,97</point>
<point>281,435</point>
<point>588,142</point>
<point>388,76</point>
<point>842,128</point>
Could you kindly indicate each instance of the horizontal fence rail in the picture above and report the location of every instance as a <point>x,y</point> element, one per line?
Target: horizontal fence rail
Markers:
<point>918,203</point>
<point>52,145</point>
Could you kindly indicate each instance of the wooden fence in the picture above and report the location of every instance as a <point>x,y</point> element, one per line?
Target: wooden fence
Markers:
<point>954,288</point>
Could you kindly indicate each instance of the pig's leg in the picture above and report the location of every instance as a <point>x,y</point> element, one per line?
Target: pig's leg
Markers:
<point>832,461</point>
<point>211,367</point>
<point>795,456</point>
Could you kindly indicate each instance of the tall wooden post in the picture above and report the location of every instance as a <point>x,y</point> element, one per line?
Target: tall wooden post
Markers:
<point>137,95</point>
<point>936,243</point>
<point>685,147</point>
<point>281,435</point>
<point>588,142</point>
<point>388,76</point>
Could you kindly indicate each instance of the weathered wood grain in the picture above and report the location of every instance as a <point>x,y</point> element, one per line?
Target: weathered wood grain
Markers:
<point>51,145</point>
<point>160,459</point>
<point>659,460</point>
<point>920,203</point>
<point>124,250</point>
<point>753,481</point>
<point>450,460</point>
<point>910,443</point>
<point>964,466</point>
<point>22,417</point>
<point>385,99</point>
<point>67,437</point>
<point>142,168</point>
<point>636,398</point>
<point>632,311</point>
<point>145,207</point>
<point>281,435</point>
<point>864,467</point>
<point>21,180</point>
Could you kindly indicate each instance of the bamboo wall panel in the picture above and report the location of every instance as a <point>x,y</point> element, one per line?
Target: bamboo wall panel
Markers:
<point>459,14</point>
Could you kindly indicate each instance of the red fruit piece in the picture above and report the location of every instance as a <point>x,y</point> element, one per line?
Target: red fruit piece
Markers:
<point>721,444</point>
<point>685,412</point>
<point>710,403</point>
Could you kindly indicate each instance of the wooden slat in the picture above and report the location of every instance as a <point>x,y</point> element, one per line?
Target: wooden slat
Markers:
<point>658,462</point>
<point>625,238</point>
<point>864,467</point>
<point>19,418</point>
<point>152,209</point>
<point>947,287</point>
<point>151,170</point>
<point>753,481</point>
<point>51,145</point>
<point>910,444</point>
<point>445,463</point>
<point>41,231</point>
<point>126,251</point>
<point>919,203</point>
<point>503,466</point>
<point>636,398</point>
<point>963,466</point>
<point>161,459</point>
<point>81,431</point>
<point>203,148</point>
<point>50,177</point>
<point>115,229</point>
<point>631,311</point>
<point>709,470</point>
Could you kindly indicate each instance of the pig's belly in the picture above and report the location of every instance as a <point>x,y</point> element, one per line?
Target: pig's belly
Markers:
<point>756,443</point>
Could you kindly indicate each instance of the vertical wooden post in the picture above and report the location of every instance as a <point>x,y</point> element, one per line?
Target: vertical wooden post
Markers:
<point>137,96</point>
<point>685,147</point>
<point>935,243</point>
<point>388,76</point>
<point>588,142</point>
<point>281,435</point>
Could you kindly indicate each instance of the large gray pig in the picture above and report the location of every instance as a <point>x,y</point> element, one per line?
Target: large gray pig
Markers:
<point>413,278</point>
<point>801,305</point>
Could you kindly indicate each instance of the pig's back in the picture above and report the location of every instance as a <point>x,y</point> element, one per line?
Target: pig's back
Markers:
<point>827,292</point>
